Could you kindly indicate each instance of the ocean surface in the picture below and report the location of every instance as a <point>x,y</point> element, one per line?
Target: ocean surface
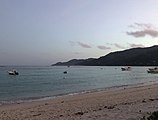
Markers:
<point>38,82</point>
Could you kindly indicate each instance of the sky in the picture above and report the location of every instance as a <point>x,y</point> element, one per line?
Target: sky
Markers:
<point>43,32</point>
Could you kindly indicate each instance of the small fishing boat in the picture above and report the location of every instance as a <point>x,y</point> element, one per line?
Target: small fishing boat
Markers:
<point>153,70</point>
<point>13,72</point>
<point>65,72</point>
<point>126,68</point>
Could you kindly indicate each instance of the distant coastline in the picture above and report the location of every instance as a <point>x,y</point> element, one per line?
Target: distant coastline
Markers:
<point>131,57</point>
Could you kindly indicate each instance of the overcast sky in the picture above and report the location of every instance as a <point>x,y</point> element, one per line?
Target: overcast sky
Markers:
<point>42,32</point>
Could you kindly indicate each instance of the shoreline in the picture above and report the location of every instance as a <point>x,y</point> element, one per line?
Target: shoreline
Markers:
<point>43,98</point>
<point>125,103</point>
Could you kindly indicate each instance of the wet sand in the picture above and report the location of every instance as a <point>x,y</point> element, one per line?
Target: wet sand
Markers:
<point>125,103</point>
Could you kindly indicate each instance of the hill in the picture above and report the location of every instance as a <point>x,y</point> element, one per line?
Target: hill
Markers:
<point>131,57</point>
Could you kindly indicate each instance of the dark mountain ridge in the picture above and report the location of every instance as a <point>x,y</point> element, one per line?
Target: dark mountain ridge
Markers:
<point>131,57</point>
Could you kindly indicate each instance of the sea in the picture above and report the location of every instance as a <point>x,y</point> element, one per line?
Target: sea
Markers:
<point>48,82</point>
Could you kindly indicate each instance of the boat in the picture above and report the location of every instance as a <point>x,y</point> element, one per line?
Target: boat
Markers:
<point>153,70</point>
<point>126,68</point>
<point>13,72</point>
<point>65,72</point>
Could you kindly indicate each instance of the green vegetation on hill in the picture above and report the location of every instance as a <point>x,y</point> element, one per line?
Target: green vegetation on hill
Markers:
<point>132,57</point>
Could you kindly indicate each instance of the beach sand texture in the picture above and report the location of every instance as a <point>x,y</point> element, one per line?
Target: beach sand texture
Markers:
<point>130,103</point>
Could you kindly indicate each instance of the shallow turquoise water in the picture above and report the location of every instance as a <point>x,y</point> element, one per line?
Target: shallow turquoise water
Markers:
<point>47,81</point>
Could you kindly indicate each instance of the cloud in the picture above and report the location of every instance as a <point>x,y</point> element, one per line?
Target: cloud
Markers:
<point>103,47</point>
<point>118,46</point>
<point>84,45</point>
<point>143,33</point>
<point>72,43</point>
<point>144,29</point>
<point>136,45</point>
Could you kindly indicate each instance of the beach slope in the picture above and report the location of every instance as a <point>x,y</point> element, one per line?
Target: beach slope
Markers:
<point>125,103</point>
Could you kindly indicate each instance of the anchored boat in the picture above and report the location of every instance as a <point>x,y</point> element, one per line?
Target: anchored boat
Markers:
<point>126,68</point>
<point>153,70</point>
<point>13,72</point>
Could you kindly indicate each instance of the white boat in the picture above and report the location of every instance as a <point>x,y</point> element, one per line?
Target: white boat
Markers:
<point>153,70</point>
<point>126,68</point>
<point>13,72</point>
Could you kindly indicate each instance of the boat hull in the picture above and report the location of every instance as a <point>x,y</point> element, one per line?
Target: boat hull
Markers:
<point>126,69</point>
<point>13,73</point>
<point>153,71</point>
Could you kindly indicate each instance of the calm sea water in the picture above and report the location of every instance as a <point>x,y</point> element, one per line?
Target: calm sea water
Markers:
<point>40,82</point>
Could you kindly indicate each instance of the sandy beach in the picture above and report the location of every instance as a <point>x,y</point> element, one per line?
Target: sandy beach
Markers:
<point>125,103</point>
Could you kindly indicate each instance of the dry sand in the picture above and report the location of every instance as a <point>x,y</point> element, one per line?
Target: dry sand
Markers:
<point>130,103</point>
